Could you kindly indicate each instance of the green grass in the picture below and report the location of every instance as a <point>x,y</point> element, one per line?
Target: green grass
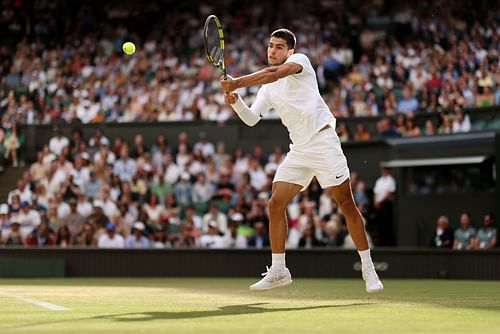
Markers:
<point>226,306</point>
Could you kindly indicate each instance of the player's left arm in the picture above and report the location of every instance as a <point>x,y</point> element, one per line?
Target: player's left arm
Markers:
<point>262,77</point>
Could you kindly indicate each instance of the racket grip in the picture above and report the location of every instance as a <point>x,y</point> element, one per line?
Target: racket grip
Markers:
<point>224,74</point>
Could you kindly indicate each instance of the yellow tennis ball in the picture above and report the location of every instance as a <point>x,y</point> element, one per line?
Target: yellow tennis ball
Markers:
<point>128,48</point>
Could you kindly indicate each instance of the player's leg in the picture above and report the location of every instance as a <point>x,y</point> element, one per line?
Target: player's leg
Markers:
<point>282,195</point>
<point>355,224</point>
<point>278,275</point>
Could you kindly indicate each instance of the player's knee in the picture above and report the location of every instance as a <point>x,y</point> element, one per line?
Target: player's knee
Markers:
<point>347,204</point>
<point>276,205</point>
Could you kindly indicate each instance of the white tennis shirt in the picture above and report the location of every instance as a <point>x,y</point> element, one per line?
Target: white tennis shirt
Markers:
<point>297,101</point>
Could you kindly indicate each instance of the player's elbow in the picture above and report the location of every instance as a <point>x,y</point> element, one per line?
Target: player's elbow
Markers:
<point>271,74</point>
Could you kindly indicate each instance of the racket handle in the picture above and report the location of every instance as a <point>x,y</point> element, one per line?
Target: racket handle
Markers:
<point>224,74</point>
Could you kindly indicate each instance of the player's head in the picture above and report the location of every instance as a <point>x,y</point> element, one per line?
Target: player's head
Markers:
<point>281,46</point>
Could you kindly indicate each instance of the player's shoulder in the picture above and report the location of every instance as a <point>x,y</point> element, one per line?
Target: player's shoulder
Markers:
<point>298,57</point>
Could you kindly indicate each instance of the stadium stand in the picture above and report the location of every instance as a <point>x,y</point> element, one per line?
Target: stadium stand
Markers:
<point>424,69</point>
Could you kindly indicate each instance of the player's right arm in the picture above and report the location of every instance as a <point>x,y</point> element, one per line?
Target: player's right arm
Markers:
<point>249,115</point>
<point>262,77</point>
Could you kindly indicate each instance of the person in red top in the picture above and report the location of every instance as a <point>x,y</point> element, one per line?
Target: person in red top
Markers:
<point>42,235</point>
<point>434,82</point>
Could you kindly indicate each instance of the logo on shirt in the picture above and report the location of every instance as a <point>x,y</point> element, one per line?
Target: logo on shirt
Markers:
<point>338,177</point>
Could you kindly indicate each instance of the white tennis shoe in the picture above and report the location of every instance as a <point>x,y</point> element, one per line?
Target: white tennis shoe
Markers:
<point>373,283</point>
<point>272,279</point>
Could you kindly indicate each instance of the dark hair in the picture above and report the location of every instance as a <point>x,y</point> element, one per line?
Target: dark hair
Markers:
<point>490,214</point>
<point>287,35</point>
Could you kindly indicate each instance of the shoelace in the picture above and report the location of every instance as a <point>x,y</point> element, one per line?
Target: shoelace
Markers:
<point>268,270</point>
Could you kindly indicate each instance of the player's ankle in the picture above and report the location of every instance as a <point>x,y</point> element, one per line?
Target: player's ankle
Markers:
<point>278,262</point>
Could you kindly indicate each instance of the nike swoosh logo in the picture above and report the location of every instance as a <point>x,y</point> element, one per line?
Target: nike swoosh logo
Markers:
<point>338,177</point>
<point>279,278</point>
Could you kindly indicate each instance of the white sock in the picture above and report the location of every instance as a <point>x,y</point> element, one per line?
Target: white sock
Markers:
<point>366,259</point>
<point>278,261</point>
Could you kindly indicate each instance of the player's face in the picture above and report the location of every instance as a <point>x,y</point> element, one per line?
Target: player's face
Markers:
<point>277,51</point>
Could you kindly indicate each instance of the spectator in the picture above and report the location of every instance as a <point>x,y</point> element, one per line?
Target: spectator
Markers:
<point>83,206</point>
<point>259,239</point>
<point>125,167</point>
<point>38,169</point>
<point>461,122</point>
<point>212,239</point>
<point>22,190</point>
<point>465,234</point>
<point>111,239</point>
<point>185,239</point>
<point>63,238</point>
<point>14,236</point>
<point>92,185</point>
<point>202,190</point>
<point>386,129</point>
<point>207,148</point>
<point>74,220</point>
<point>153,209</point>
<point>362,132</point>
<point>401,125</point>
<point>487,235</point>
<point>343,132</point>
<point>58,142</point>
<point>28,218</point>
<point>384,190</point>
<point>231,238</point>
<point>12,142</point>
<point>446,126</point>
<point>333,236</point>
<point>408,104</point>
<point>308,239</point>
<point>214,215</point>
<point>137,239</point>
<point>411,129</point>
<point>429,129</point>
<point>4,222</point>
<point>87,236</point>
<point>443,235</point>
<point>183,190</point>
<point>361,198</point>
<point>42,235</point>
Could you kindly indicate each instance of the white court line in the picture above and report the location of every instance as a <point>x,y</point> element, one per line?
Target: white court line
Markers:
<point>40,303</point>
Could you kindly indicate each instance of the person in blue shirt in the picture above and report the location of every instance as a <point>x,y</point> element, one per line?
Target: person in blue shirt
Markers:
<point>136,239</point>
<point>465,234</point>
<point>486,237</point>
<point>408,104</point>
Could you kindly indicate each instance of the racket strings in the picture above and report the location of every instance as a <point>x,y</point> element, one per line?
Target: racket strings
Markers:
<point>213,43</point>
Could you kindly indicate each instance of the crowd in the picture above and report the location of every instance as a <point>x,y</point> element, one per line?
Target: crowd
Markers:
<point>110,193</point>
<point>376,59</point>
<point>465,236</point>
<point>69,67</point>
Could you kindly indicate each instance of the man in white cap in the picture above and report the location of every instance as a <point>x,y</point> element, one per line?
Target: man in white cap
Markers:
<point>212,238</point>
<point>136,239</point>
<point>231,238</point>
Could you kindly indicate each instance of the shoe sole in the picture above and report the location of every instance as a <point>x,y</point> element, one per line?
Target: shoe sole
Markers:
<point>377,290</point>
<point>275,286</point>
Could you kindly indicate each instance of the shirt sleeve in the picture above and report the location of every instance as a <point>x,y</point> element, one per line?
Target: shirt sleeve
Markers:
<point>250,116</point>
<point>300,59</point>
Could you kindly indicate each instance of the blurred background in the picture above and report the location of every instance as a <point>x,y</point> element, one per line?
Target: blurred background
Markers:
<point>101,149</point>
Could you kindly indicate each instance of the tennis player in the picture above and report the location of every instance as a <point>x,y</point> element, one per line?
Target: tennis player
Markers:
<point>289,86</point>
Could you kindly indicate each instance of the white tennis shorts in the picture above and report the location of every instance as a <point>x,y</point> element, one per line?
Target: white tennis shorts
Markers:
<point>321,156</point>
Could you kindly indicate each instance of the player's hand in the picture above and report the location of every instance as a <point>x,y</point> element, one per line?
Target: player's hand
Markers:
<point>231,97</point>
<point>228,85</point>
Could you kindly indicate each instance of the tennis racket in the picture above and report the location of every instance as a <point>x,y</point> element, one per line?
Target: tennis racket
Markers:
<point>214,43</point>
